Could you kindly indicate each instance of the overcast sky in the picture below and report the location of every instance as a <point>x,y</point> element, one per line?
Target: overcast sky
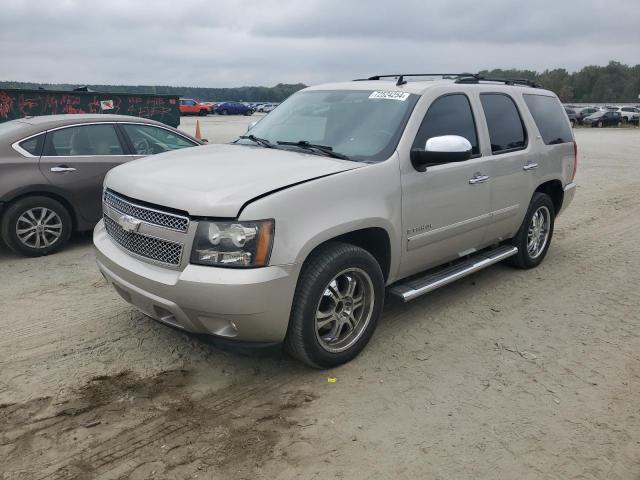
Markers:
<point>245,42</point>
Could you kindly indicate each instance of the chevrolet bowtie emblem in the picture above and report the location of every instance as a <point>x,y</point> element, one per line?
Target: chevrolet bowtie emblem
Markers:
<point>129,223</point>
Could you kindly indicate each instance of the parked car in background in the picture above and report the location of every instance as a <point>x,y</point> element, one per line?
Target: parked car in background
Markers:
<point>582,113</point>
<point>189,106</point>
<point>573,116</point>
<point>629,114</point>
<point>233,108</point>
<point>269,107</point>
<point>52,168</point>
<point>603,119</point>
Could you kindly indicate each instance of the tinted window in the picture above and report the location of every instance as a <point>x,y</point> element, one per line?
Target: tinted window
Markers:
<point>547,113</point>
<point>448,115</point>
<point>33,145</point>
<point>148,140</point>
<point>503,120</point>
<point>84,140</point>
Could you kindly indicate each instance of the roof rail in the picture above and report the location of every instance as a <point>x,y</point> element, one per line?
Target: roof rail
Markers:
<point>477,78</point>
<point>460,78</point>
<point>402,81</point>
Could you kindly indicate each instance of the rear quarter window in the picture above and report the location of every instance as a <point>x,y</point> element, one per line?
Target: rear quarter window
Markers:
<point>506,130</point>
<point>550,119</point>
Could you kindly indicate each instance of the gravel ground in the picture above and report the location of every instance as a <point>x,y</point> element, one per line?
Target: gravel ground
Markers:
<point>505,374</point>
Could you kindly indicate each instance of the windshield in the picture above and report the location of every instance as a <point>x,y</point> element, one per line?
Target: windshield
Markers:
<point>362,125</point>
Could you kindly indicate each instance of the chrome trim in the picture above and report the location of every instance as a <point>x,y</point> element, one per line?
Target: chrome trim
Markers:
<point>146,228</point>
<point>21,151</point>
<point>16,145</point>
<point>143,207</point>
<point>155,261</point>
<point>530,166</point>
<point>415,288</point>
<point>478,179</point>
<point>62,169</point>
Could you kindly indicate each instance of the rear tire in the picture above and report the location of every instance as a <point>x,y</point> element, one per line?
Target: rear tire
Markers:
<point>531,252</point>
<point>337,303</point>
<point>36,226</point>
<point>203,113</point>
<point>223,112</point>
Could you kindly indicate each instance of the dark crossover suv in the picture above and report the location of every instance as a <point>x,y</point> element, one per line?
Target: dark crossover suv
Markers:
<point>233,108</point>
<point>52,169</point>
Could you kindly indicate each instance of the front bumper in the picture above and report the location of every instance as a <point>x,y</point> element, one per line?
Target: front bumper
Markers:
<point>242,304</point>
<point>567,198</point>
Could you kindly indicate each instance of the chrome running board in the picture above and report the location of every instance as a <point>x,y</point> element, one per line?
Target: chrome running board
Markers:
<point>410,289</point>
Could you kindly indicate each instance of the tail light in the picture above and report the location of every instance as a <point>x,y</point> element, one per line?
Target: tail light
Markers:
<point>575,160</point>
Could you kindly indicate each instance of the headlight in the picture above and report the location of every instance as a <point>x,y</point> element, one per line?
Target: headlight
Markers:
<point>233,244</point>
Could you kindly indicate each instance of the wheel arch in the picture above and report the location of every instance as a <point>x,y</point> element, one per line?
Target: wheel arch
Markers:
<point>375,240</point>
<point>46,191</point>
<point>554,189</point>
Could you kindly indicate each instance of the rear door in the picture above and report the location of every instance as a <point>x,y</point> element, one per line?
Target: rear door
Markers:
<point>77,158</point>
<point>512,162</point>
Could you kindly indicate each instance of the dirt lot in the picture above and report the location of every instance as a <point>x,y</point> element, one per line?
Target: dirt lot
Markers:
<point>506,374</point>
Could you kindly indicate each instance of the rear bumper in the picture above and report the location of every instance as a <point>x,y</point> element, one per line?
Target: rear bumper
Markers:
<point>251,305</point>
<point>569,193</point>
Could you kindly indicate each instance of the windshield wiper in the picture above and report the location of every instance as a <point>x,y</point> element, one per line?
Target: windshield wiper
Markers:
<point>260,141</point>
<point>324,149</point>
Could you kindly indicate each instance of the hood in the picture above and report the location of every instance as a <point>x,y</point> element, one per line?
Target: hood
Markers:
<point>217,180</point>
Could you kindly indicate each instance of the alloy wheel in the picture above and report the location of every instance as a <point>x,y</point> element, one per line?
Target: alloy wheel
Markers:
<point>344,310</point>
<point>538,233</point>
<point>39,227</point>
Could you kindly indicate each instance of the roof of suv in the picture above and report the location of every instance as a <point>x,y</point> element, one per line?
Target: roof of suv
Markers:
<point>419,87</point>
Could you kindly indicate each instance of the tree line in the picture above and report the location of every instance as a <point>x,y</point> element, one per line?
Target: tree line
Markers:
<point>615,82</point>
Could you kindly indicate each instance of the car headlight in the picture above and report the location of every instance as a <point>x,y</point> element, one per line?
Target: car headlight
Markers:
<point>233,244</point>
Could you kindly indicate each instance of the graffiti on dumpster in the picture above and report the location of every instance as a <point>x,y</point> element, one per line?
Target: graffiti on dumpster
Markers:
<point>18,104</point>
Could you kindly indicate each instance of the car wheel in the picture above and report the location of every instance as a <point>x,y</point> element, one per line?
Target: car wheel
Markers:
<point>36,226</point>
<point>223,112</point>
<point>619,124</point>
<point>573,123</point>
<point>338,301</point>
<point>203,113</point>
<point>600,124</point>
<point>534,237</point>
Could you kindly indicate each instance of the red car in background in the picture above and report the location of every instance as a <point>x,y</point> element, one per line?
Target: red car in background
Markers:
<point>189,106</point>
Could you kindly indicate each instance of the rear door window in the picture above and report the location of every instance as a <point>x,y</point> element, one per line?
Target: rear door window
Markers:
<point>448,115</point>
<point>547,113</point>
<point>506,130</point>
<point>82,141</point>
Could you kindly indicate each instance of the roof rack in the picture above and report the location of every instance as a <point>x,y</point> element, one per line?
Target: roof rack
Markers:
<point>402,81</point>
<point>477,78</point>
<point>460,78</point>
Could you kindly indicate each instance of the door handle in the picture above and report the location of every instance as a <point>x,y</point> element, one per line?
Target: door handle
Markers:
<point>62,169</point>
<point>530,166</point>
<point>479,179</point>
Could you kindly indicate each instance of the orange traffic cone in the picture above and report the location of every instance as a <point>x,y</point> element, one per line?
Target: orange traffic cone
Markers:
<point>198,134</point>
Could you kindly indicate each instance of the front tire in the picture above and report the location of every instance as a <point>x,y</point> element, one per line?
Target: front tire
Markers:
<point>534,237</point>
<point>36,226</point>
<point>203,113</point>
<point>338,300</point>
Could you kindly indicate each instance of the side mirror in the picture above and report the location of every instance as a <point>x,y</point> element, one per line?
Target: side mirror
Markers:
<point>443,149</point>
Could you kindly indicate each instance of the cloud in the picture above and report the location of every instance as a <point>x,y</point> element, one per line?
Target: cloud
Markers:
<point>232,43</point>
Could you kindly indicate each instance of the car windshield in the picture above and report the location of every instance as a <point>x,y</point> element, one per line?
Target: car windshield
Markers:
<point>363,125</point>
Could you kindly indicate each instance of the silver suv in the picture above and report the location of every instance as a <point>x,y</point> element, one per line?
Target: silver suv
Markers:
<point>292,232</point>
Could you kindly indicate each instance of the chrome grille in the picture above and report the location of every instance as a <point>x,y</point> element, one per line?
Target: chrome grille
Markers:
<point>146,214</point>
<point>163,251</point>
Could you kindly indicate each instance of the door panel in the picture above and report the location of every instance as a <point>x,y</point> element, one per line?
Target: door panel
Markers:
<point>446,209</point>
<point>444,215</point>
<point>77,159</point>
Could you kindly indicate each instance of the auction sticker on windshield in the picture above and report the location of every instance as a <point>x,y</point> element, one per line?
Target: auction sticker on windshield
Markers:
<point>402,96</point>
